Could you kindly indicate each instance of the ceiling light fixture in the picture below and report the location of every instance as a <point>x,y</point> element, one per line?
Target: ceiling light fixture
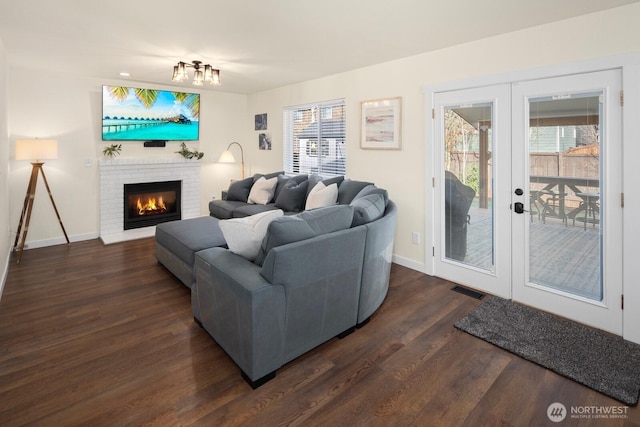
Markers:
<point>201,73</point>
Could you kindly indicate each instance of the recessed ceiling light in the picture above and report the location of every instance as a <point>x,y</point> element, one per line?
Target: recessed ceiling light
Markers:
<point>125,74</point>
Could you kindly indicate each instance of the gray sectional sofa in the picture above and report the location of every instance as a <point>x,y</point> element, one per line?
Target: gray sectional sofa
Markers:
<point>318,274</point>
<point>290,194</point>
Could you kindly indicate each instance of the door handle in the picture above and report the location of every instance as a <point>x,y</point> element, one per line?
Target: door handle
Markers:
<point>518,207</point>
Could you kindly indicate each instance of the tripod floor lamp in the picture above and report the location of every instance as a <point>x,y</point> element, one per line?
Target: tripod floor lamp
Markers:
<point>39,149</point>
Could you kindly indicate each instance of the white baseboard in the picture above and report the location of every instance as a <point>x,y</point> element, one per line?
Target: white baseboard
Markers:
<point>409,263</point>
<point>59,241</point>
<point>126,235</point>
<point>5,274</point>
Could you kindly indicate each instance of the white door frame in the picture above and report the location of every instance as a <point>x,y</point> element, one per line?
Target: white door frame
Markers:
<point>630,65</point>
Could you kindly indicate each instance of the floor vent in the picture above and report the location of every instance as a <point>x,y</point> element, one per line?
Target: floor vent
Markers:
<point>468,292</point>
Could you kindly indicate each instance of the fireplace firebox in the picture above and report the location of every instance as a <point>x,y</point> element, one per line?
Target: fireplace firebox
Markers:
<point>151,203</point>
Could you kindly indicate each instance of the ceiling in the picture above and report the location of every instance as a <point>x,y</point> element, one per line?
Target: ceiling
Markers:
<point>257,45</point>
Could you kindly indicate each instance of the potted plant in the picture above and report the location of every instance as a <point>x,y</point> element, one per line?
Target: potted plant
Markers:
<point>189,154</point>
<point>112,150</point>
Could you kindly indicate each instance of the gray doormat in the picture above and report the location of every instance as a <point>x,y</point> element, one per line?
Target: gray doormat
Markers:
<point>599,360</point>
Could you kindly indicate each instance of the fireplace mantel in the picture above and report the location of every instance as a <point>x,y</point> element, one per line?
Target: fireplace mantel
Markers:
<point>114,173</point>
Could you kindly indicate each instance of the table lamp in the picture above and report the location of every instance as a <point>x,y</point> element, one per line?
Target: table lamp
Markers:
<point>36,150</point>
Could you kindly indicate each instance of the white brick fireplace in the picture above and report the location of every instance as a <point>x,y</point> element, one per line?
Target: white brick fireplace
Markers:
<point>115,173</point>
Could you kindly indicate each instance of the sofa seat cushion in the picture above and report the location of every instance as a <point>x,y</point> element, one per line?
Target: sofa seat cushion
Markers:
<point>305,225</point>
<point>244,235</point>
<point>223,209</point>
<point>186,237</point>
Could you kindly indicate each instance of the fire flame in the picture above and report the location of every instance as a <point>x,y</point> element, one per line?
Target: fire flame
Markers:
<point>151,206</point>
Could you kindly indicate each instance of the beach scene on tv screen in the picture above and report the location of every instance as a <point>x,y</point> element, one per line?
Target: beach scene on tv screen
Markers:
<point>134,114</point>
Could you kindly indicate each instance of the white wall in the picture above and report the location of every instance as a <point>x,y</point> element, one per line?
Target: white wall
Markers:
<point>5,243</point>
<point>406,173</point>
<point>403,172</point>
<point>69,108</point>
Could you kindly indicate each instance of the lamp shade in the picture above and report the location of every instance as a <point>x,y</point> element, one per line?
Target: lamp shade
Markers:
<point>36,149</point>
<point>226,157</point>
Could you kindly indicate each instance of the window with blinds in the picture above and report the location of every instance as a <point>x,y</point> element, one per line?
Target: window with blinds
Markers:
<point>314,139</point>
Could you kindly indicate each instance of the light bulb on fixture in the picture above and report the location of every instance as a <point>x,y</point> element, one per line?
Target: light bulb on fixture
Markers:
<point>198,78</point>
<point>215,79</point>
<point>180,72</point>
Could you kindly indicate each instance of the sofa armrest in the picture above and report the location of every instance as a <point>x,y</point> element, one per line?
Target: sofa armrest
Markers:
<point>321,279</point>
<point>376,268</point>
<point>242,311</point>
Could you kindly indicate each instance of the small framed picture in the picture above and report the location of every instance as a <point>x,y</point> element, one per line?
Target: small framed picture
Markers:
<point>381,124</point>
<point>264,141</point>
<point>261,121</point>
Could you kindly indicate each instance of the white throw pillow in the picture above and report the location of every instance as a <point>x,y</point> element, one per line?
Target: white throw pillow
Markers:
<point>262,190</point>
<point>321,196</point>
<point>244,235</point>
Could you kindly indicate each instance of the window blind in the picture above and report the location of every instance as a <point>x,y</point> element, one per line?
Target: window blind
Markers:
<point>314,139</point>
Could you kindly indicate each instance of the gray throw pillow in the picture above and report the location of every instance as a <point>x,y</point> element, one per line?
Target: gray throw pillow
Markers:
<point>348,190</point>
<point>367,209</point>
<point>282,180</point>
<point>305,225</point>
<point>239,190</point>
<point>292,196</point>
<point>372,189</point>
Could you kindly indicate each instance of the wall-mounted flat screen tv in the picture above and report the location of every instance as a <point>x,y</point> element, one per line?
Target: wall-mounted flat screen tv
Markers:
<point>134,114</point>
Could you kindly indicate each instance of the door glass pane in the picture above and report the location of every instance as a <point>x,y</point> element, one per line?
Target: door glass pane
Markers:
<point>565,136</point>
<point>468,207</point>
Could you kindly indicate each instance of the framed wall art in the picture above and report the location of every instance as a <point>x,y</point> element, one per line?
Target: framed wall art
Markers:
<point>261,121</point>
<point>381,124</point>
<point>264,141</point>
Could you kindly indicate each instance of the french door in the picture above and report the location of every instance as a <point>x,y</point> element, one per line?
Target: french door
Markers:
<point>528,185</point>
<point>472,186</point>
<point>567,157</point>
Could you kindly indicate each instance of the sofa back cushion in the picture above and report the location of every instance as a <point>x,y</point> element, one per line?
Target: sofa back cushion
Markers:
<point>315,179</point>
<point>348,190</point>
<point>367,208</point>
<point>257,176</point>
<point>305,225</point>
<point>372,189</point>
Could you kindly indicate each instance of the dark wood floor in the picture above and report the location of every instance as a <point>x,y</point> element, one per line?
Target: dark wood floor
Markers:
<point>103,336</point>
